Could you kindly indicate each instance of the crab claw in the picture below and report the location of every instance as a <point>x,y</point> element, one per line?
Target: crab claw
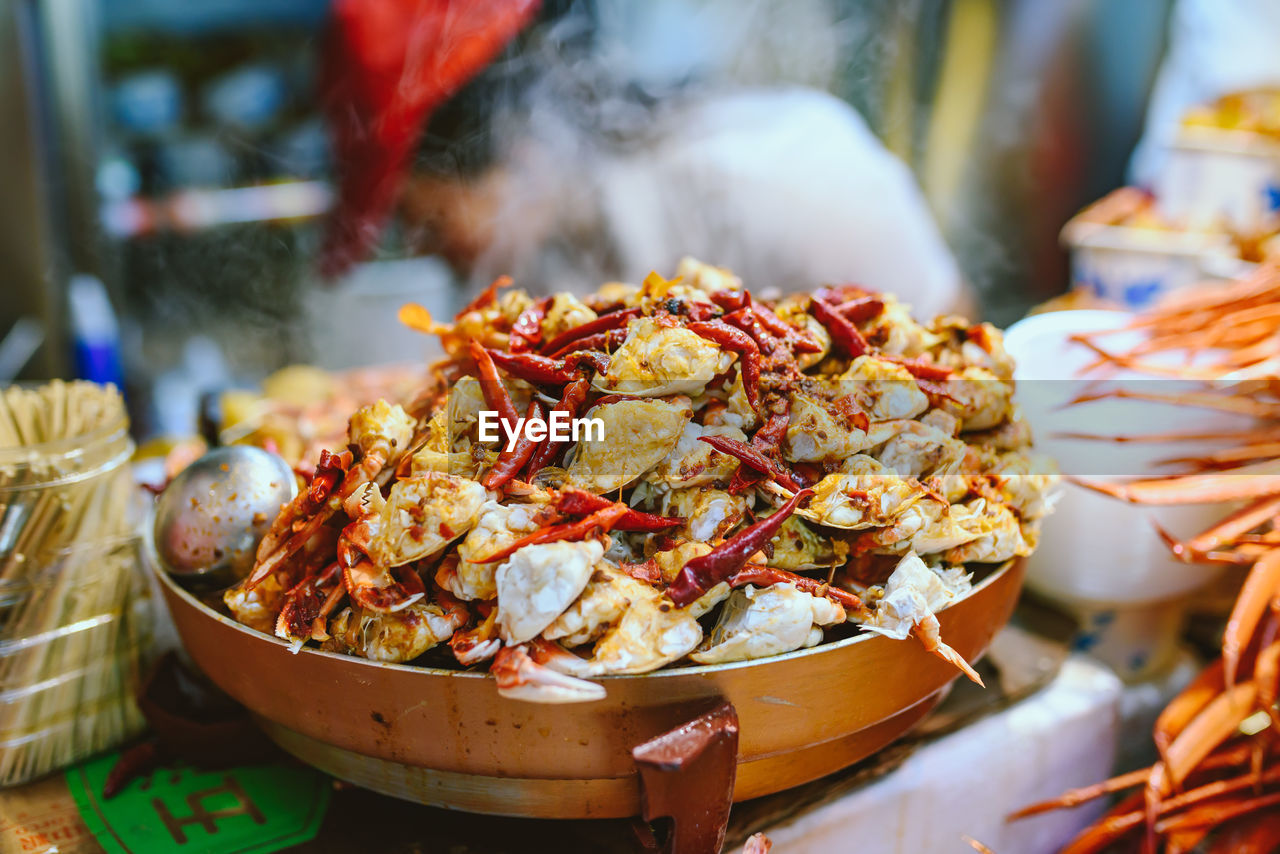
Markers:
<point>521,678</point>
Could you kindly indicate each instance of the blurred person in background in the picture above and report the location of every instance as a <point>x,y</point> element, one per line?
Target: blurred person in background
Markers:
<point>608,143</point>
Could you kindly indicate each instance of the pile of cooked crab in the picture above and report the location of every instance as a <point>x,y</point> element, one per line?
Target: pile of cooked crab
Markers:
<point>771,474</point>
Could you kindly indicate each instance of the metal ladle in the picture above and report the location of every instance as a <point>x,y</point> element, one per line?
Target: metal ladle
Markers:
<point>210,518</point>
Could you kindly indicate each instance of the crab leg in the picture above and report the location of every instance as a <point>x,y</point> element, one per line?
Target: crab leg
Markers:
<point>763,576</point>
<point>1230,529</point>
<point>1213,725</point>
<point>1245,482</point>
<point>1258,834</point>
<point>330,471</point>
<point>519,677</point>
<point>1117,824</point>
<point>705,571</point>
<point>1184,708</point>
<point>1236,404</point>
<point>1261,586</point>
<point>601,520</point>
<point>738,342</point>
<point>749,456</point>
<point>1215,814</point>
<point>1076,797</point>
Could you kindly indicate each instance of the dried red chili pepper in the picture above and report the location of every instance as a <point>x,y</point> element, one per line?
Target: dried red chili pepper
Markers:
<point>918,368</point>
<point>513,457</point>
<point>702,573</point>
<point>731,300</point>
<point>526,332</point>
<point>599,341</point>
<point>565,340</point>
<point>574,502</point>
<point>531,367</point>
<point>575,393</point>
<point>767,440</point>
<point>844,334</point>
<point>745,319</point>
<point>738,342</point>
<point>861,309</point>
<point>495,393</point>
<point>749,456</point>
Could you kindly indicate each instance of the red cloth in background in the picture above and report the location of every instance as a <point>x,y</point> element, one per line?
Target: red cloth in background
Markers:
<point>386,65</point>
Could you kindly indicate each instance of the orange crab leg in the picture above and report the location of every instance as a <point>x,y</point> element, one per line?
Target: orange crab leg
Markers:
<point>1182,710</point>
<point>1257,834</point>
<point>1118,824</point>
<point>1253,481</point>
<point>1236,404</point>
<point>1075,797</point>
<point>1262,585</point>
<point>1236,525</point>
<point>1213,725</point>
<point>1216,814</point>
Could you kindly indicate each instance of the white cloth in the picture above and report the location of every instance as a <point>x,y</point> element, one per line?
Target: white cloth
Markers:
<point>786,187</point>
<point>1215,47</point>
<point>965,784</point>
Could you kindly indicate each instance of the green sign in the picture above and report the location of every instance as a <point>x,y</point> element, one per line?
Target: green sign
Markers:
<point>181,810</point>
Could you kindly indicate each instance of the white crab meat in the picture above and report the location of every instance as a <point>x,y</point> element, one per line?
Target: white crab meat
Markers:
<point>537,583</point>
<point>600,606</point>
<point>709,513</point>
<point>380,425</point>
<point>637,435</point>
<point>420,516</point>
<point>258,606</point>
<point>652,633</point>
<point>873,498</point>
<point>498,526</point>
<point>997,535</point>
<point>1027,482</point>
<point>920,451</point>
<point>883,390</point>
<point>706,279</point>
<point>695,463</point>
<point>914,594</point>
<point>433,455</point>
<point>815,434</point>
<point>394,638</point>
<point>761,621</point>
<point>794,311</point>
<point>979,398</point>
<point>660,358</point>
<point>565,312</point>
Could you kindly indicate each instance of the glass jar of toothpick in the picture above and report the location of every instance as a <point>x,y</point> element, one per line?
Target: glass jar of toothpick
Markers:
<point>74,616</point>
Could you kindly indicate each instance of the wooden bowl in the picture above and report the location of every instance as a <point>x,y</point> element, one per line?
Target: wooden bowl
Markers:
<point>446,738</point>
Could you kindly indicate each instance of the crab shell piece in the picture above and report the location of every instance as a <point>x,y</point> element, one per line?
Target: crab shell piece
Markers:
<point>658,359</point>
<point>761,621</point>
<point>637,435</point>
